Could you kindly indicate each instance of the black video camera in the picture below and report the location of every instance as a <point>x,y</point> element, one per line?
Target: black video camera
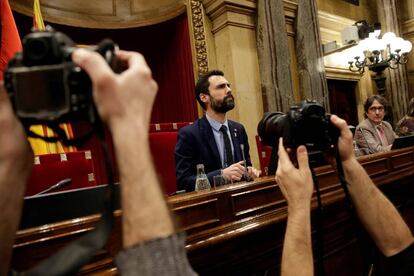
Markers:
<point>45,86</point>
<point>305,124</point>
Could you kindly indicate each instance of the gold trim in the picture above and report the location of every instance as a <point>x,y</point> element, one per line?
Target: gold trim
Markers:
<point>199,36</point>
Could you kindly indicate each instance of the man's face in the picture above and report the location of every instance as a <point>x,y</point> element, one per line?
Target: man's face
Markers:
<point>220,99</point>
<point>376,112</point>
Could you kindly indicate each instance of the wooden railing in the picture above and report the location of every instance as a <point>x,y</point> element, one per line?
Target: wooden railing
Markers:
<point>239,229</point>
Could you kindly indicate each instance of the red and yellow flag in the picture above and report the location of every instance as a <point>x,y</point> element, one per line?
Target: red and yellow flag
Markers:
<point>10,40</point>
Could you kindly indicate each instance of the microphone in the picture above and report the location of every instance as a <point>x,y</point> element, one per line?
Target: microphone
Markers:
<point>56,186</point>
<point>246,175</point>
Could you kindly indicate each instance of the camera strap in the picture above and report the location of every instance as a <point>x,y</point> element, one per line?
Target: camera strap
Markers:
<point>364,240</point>
<point>76,254</point>
<point>319,225</point>
<point>61,135</point>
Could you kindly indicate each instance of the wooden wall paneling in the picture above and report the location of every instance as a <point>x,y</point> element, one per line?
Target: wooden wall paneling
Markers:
<point>367,9</point>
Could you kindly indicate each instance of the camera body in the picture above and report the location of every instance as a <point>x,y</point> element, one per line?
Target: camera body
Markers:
<point>43,83</point>
<point>304,124</point>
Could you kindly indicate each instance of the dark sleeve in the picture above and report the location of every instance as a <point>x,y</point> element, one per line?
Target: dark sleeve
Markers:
<point>402,264</point>
<point>164,256</point>
<point>245,140</point>
<point>185,156</point>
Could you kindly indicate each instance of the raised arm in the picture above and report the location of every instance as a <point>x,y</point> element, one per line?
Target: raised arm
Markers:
<point>124,101</point>
<point>297,187</point>
<point>16,160</point>
<point>378,215</point>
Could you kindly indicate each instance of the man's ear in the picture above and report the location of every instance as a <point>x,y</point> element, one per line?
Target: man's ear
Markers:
<point>204,97</point>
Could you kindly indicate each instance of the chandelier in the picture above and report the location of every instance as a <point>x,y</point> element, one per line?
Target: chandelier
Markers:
<point>378,54</point>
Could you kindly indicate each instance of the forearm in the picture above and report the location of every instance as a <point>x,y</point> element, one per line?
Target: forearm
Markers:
<point>376,212</point>
<point>12,187</point>
<point>297,256</point>
<point>145,213</point>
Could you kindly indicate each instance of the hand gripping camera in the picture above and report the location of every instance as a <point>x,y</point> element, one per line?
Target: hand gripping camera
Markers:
<point>45,86</point>
<point>305,124</point>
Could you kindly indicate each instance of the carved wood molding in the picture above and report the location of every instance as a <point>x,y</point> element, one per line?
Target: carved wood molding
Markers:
<point>199,35</point>
<point>408,28</point>
<point>231,13</point>
<point>341,74</point>
<point>114,14</point>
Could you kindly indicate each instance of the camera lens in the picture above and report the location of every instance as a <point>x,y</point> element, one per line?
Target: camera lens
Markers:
<point>36,50</point>
<point>272,126</point>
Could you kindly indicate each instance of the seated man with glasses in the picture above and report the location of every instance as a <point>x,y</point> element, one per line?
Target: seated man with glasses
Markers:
<point>374,134</point>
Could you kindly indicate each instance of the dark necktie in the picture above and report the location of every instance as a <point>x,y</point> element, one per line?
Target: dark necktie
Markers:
<point>228,158</point>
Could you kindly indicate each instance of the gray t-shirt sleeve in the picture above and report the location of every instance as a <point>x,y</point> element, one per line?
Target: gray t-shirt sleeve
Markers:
<point>164,256</point>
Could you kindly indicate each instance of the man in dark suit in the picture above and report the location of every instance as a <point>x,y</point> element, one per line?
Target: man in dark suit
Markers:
<point>220,144</point>
<point>374,133</point>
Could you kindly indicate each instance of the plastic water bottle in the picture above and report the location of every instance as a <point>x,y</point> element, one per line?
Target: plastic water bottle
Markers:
<point>202,182</point>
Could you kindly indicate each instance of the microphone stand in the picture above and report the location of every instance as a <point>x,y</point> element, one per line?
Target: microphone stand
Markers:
<point>246,175</point>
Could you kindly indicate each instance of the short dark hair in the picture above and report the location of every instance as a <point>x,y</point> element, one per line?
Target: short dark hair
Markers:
<point>371,100</point>
<point>203,84</point>
<point>411,108</point>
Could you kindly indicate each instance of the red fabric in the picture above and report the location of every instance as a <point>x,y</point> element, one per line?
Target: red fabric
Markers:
<point>162,148</point>
<point>10,40</point>
<point>52,169</point>
<point>173,70</point>
<point>265,152</point>
<point>163,127</point>
<point>94,146</point>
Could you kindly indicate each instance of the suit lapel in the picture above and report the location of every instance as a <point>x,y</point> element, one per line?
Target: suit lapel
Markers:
<point>235,137</point>
<point>207,133</point>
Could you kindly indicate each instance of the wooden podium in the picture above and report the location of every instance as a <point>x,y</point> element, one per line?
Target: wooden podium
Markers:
<point>237,229</point>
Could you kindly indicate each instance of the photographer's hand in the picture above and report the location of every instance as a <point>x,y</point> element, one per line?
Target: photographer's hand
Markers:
<point>345,141</point>
<point>296,184</point>
<point>297,187</point>
<point>124,101</point>
<point>16,161</point>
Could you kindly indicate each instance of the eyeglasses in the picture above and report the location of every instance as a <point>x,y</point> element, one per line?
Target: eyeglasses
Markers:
<point>374,109</point>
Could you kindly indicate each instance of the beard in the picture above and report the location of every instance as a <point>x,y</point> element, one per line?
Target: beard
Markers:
<point>224,105</point>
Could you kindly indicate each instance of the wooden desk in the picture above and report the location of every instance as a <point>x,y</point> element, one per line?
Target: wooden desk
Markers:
<point>239,229</point>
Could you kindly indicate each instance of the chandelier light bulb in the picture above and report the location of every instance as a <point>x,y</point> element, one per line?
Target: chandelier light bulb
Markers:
<point>373,44</point>
<point>357,51</point>
<point>388,37</point>
<point>396,44</point>
<point>406,46</point>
